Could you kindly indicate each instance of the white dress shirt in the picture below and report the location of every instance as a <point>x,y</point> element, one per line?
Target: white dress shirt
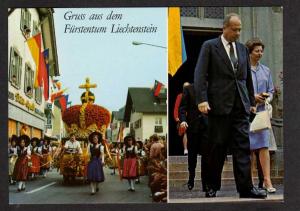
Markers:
<point>227,48</point>
<point>73,146</point>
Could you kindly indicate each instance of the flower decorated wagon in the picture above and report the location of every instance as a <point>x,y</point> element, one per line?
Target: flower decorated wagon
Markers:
<point>82,120</point>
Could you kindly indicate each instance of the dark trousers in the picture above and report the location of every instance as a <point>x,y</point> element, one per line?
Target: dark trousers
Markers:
<point>196,144</point>
<point>230,131</point>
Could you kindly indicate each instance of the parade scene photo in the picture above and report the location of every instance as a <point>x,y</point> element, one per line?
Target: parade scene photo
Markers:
<point>87,105</point>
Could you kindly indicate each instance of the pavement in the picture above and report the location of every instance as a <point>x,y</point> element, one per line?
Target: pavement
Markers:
<point>51,190</point>
<point>227,193</point>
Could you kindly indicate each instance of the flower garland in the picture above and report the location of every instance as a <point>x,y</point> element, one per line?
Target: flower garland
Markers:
<point>82,115</point>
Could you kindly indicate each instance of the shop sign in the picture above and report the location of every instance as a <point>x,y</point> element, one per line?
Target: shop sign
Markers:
<point>30,106</point>
<point>37,111</point>
<point>22,101</point>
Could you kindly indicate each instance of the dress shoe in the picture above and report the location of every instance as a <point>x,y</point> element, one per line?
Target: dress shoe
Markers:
<point>190,184</point>
<point>92,193</point>
<point>97,189</point>
<point>210,193</point>
<point>271,190</point>
<point>19,190</point>
<point>254,193</point>
<point>185,152</point>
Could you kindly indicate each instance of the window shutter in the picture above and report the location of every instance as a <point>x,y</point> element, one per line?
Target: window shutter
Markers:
<point>19,71</point>
<point>22,19</point>
<point>29,19</point>
<point>11,71</point>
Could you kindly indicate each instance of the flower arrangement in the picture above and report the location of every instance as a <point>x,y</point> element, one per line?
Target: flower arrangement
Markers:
<point>84,121</point>
<point>71,115</point>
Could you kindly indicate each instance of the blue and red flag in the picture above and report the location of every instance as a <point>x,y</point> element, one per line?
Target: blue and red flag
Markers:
<point>157,87</point>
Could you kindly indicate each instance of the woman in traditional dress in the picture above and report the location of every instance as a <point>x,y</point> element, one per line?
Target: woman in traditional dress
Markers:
<point>141,160</point>
<point>13,156</point>
<point>46,157</point>
<point>130,161</point>
<point>263,90</point>
<point>116,153</point>
<point>95,173</point>
<point>21,166</point>
<point>36,153</point>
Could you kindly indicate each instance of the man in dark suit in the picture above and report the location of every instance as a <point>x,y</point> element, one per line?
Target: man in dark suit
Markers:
<point>196,128</point>
<point>224,91</point>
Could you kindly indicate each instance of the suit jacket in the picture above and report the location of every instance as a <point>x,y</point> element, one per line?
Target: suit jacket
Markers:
<point>216,82</point>
<point>189,112</point>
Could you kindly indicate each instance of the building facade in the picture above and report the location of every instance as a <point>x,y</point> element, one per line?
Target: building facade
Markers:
<point>145,113</point>
<point>117,124</point>
<point>26,104</point>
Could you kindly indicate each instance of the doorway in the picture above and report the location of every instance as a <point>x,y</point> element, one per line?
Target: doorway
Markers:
<point>193,42</point>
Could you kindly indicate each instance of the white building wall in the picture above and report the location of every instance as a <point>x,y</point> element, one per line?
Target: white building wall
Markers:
<point>133,118</point>
<point>17,40</point>
<point>149,123</point>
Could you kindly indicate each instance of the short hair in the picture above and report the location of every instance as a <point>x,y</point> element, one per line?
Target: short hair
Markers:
<point>155,137</point>
<point>72,134</point>
<point>228,17</point>
<point>252,43</point>
<point>185,84</point>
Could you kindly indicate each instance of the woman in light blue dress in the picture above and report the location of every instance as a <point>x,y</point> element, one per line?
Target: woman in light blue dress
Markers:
<point>263,90</point>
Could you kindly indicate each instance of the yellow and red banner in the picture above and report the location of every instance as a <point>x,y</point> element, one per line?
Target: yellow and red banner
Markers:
<point>176,47</point>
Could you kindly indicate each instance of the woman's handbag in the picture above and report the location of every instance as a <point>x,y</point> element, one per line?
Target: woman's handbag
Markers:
<point>272,142</point>
<point>261,120</point>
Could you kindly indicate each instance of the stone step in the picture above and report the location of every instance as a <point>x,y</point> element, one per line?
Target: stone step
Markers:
<point>227,183</point>
<point>227,173</point>
<point>185,174</point>
<point>184,159</point>
<point>184,166</point>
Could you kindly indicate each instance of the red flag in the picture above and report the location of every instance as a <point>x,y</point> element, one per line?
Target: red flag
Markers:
<point>63,103</point>
<point>42,75</point>
<point>157,88</point>
<point>57,94</point>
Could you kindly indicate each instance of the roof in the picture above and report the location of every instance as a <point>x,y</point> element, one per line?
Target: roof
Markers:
<point>142,100</point>
<point>118,115</point>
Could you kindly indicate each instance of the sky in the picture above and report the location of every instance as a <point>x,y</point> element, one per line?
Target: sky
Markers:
<point>110,60</point>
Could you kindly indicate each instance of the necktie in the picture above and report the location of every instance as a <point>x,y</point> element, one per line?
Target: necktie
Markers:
<point>232,57</point>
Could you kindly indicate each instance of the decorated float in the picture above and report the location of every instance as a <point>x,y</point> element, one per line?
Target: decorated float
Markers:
<point>82,120</point>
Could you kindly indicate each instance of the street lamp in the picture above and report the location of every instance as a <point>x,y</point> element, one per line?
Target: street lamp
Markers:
<point>142,43</point>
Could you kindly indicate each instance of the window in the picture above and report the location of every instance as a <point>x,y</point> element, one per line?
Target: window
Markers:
<point>25,22</point>
<point>188,11</point>
<point>138,124</point>
<point>15,68</point>
<point>158,129</point>
<point>214,12</point>
<point>158,121</point>
<point>35,28</point>
<point>38,95</point>
<point>28,83</point>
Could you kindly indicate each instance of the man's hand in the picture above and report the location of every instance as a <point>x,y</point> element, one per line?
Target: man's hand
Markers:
<point>184,124</point>
<point>253,109</point>
<point>259,99</point>
<point>204,107</point>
